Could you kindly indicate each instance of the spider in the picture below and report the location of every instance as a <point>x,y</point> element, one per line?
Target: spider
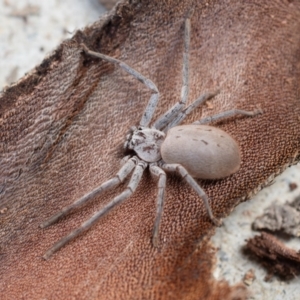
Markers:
<point>194,151</point>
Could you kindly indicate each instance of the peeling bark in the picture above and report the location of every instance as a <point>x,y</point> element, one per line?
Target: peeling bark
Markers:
<point>275,256</point>
<point>278,218</point>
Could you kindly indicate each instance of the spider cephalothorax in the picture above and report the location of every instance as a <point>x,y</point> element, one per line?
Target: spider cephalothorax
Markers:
<point>146,143</point>
<point>194,151</point>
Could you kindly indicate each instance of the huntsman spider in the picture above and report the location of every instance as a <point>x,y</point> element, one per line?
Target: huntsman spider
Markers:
<point>194,151</point>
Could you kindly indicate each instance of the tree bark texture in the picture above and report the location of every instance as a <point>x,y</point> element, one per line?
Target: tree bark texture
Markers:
<point>62,128</point>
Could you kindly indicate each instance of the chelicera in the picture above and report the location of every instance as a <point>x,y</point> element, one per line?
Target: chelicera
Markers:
<point>194,151</point>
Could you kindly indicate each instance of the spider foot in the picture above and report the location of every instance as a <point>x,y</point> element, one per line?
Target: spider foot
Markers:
<point>84,47</point>
<point>155,241</point>
<point>258,111</point>
<point>217,222</point>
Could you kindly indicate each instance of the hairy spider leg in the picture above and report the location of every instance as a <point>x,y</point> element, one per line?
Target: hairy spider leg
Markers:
<point>228,114</point>
<point>183,114</point>
<point>107,185</point>
<point>163,120</point>
<point>157,171</point>
<point>191,181</point>
<point>151,106</point>
<point>131,187</point>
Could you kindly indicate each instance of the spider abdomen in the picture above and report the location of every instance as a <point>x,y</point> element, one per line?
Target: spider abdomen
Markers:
<point>206,152</point>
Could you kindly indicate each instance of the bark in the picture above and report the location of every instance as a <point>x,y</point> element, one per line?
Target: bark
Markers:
<point>274,255</point>
<point>64,124</point>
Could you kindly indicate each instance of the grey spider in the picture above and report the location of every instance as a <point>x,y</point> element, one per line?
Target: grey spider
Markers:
<point>194,151</point>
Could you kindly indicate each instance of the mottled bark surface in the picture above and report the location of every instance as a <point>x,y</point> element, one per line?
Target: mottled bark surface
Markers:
<point>63,127</point>
<point>284,219</point>
<point>274,255</point>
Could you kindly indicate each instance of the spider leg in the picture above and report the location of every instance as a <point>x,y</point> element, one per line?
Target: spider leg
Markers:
<point>163,120</point>
<point>151,106</point>
<point>131,187</point>
<point>157,171</point>
<point>191,181</point>
<point>228,114</point>
<point>107,185</point>
<point>201,100</point>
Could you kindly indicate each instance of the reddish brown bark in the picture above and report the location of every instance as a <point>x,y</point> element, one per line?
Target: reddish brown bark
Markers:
<point>63,127</point>
<point>274,255</point>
